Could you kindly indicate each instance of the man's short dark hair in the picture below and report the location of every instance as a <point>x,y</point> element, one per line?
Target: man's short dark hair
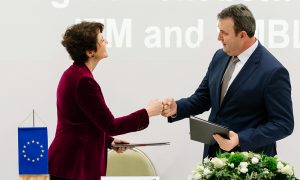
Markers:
<point>80,38</point>
<point>242,17</point>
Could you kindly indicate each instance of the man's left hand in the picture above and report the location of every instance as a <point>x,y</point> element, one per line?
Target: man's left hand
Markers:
<point>227,144</point>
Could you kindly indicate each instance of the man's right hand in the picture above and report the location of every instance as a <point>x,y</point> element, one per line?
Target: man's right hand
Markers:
<point>170,107</point>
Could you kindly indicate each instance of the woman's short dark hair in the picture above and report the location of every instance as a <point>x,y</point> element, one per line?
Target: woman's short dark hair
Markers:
<point>80,38</point>
<point>242,17</point>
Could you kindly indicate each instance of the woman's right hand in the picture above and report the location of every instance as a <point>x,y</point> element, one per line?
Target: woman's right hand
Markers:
<point>154,107</point>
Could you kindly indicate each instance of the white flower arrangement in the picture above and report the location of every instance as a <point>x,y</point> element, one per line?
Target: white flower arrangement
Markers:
<point>243,165</point>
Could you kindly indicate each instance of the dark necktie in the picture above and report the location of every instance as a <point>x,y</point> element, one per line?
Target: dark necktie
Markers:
<point>227,76</point>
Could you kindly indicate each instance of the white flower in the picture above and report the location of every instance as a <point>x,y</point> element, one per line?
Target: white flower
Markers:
<point>279,165</point>
<point>266,171</point>
<point>254,160</point>
<point>287,170</point>
<point>243,164</point>
<point>218,163</point>
<point>206,160</point>
<point>257,155</point>
<point>200,168</point>
<point>206,172</point>
<point>231,165</point>
<point>245,154</point>
<point>244,169</point>
<point>197,176</point>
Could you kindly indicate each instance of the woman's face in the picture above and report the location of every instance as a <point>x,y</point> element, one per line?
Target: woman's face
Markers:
<point>101,47</point>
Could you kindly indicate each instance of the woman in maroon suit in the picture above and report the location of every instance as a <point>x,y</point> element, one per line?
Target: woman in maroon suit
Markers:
<point>85,125</point>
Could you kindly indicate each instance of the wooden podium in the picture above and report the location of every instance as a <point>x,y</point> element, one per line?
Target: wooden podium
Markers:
<point>35,177</point>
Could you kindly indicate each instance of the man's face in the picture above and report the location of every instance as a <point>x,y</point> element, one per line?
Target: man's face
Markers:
<point>232,43</point>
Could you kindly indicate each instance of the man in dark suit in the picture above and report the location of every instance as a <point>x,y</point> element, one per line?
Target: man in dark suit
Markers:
<point>246,87</point>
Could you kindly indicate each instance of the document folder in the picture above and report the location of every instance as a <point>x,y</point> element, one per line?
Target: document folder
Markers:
<point>202,130</point>
<point>141,144</point>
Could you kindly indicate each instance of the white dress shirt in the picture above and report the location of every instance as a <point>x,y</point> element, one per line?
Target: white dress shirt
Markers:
<point>243,57</point>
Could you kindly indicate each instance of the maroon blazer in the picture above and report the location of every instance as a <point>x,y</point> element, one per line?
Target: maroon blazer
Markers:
<point>85,126</point>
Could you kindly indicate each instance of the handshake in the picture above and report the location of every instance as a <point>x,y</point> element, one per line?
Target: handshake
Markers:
<point>166,107</point>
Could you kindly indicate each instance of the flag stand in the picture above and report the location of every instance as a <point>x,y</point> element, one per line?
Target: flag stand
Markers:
<point>33,151</point>
<point>35,177</point>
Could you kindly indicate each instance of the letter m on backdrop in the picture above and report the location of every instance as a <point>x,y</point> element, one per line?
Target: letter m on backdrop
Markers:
<point>33,150</point>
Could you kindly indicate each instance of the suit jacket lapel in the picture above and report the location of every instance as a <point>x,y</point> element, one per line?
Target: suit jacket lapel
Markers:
<point>244,74</point>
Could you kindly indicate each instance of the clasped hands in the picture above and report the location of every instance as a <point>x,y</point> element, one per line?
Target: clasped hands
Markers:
<point>167,108</point>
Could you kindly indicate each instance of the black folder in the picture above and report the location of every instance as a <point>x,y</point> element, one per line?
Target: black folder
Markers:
<point>140,144</point>
<point>202,130</point>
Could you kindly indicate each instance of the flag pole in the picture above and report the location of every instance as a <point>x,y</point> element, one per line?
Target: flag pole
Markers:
<point>33,117</point>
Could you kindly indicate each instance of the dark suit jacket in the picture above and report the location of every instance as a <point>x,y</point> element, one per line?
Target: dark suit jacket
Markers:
<point>85,126</point>
<point>257,105</point>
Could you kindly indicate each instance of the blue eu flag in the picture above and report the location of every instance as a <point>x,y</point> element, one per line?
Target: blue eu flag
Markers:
<point>33,150</point>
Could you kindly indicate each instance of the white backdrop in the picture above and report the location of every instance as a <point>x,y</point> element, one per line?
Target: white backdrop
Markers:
<point>145,62</point>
